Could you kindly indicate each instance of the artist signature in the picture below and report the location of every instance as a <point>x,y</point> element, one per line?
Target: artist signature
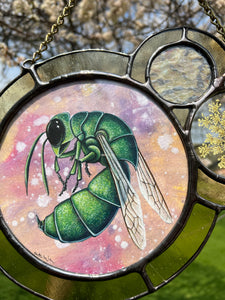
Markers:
<point>46,258</point>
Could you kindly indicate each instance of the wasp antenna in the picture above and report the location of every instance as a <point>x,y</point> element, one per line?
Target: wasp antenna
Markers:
<point>43,167</point>
<point>27,166</point>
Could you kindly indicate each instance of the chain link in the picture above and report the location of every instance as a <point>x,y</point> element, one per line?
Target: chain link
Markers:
<point>54,29</point>
<point>213,18</point>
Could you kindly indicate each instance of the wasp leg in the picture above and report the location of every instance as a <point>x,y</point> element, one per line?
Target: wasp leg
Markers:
<point>76,167</point>
<point>86,159</point>
<point>76,186</point>
<point>87,169</point>
<point>56,165</point>
<point>72,172</point>
<point>76,158</point>
<point>64,183</point>
<point>78,162</point>
<point>79,175</point>
<point>74,155</point>
<point>75,148</point>
<point>57,169</point>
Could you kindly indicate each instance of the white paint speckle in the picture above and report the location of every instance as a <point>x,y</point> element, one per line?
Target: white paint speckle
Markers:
<point>43,200</point>
<point>66,171</point>
<point>114,227</point>
<point>118,238</point>
<point>175,150</point>
<point>124,244</point>
<point>14,223</point>
<point>41,120</point>
<point>57,99</point>
<point>34,181</point>
<point>61,245</point>
<point>48,171</point>
<point>165,141</point>
<point>142,101</point>
<point>120,229</point>
<point>22,219</point>
<point>145,117</point>
<point>31,215</point>
<point>20,146</point>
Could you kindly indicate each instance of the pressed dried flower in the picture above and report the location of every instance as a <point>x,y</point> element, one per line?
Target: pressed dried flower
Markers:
<point>215,140</point>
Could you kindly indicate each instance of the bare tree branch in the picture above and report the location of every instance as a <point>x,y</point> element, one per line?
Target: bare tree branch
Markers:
<point>111,24</point>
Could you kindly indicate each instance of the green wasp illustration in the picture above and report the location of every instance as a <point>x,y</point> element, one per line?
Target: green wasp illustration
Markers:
<point>106,139</point>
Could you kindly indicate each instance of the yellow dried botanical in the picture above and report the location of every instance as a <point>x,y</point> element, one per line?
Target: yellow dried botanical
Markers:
<point>215,140</point>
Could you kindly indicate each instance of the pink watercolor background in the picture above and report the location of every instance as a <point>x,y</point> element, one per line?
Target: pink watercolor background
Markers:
<point>158,141</point>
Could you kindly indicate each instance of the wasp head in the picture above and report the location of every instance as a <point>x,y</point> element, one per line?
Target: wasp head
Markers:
<point>59,133</point>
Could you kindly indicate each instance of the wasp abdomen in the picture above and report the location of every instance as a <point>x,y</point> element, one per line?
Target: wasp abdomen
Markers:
<point>87,213</point>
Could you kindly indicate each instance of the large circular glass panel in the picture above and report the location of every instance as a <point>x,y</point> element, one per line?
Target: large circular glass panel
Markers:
<point>180,74</point>
<point>100,145</point>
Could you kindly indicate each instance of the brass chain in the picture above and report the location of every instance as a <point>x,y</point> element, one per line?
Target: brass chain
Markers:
<point>72,3</point>
<point>213,18</point>
<point>54,29</point>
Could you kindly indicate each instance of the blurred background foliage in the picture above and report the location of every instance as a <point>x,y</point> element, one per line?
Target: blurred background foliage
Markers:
<point>115,25</point>
<point>110,24</point>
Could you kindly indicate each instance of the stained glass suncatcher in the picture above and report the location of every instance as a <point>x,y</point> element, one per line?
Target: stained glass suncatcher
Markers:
<point>105,160</point>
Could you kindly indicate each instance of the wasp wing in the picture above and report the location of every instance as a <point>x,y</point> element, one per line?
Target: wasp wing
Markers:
<point>151,191</point>
<point>129,200</point>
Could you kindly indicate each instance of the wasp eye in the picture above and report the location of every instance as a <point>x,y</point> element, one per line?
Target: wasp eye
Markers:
<point>55,132</point>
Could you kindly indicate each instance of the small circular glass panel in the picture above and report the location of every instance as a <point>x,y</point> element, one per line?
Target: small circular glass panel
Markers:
<point>39,221</point>
<point>208,134</point>
<point>180,74</point>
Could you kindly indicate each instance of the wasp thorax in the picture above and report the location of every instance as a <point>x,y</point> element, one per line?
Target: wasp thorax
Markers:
<point>55,132</point>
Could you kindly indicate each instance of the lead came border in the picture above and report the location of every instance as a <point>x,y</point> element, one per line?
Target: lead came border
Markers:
<point>184,133</point>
